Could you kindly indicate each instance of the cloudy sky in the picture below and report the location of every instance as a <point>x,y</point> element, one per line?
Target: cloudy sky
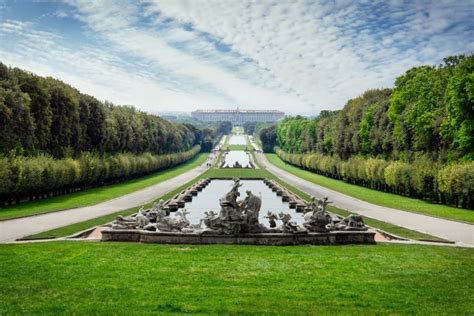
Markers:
<point>296,56</point>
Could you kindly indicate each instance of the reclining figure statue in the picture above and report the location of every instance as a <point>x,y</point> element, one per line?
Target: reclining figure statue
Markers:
<point>235,216</point>
<point>353,222</point>
<point>138,221</point>
<point>318,219</point>
<point>154,219</point>
<point>170,224</point>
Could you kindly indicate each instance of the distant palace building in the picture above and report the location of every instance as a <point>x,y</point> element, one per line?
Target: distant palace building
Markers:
<point>238,117</point>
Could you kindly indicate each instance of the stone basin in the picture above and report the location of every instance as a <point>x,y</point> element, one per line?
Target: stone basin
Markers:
<point>274,239</point>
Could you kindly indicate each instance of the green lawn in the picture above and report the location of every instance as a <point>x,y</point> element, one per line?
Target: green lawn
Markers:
<point>97,195</point>
<point>237,147</point>
<point>377,197</point>
<point>128,278</point>
<point>389,228</point>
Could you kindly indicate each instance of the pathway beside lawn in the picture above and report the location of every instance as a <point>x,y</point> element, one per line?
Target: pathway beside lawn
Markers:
<point>461,233</point>
<point>10,230</point>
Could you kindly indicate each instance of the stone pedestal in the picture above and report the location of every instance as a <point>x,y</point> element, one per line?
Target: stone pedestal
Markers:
<point>330,238</point>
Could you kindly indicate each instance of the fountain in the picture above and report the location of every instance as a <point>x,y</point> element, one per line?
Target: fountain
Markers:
<point>237,222</point>
<point>236,159</point>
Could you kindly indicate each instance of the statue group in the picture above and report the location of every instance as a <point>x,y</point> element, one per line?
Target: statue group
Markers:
<point>236,216</point>
<point>239,216</point>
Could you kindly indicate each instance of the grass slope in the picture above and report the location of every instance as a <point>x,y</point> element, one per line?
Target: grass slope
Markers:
<point>109,278</point>
<point>97,195</point>
<point>377,197</point>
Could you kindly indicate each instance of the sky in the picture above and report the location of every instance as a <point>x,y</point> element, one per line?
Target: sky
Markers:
<point>300,57</point>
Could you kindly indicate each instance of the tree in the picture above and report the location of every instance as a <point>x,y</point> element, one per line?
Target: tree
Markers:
<point>268,138</point>
<point>40,108</point>
<point>224,128</point>
<point>65,128</point>
<point>249,127</point>
<point>458,127</point>
<point>16,122</point>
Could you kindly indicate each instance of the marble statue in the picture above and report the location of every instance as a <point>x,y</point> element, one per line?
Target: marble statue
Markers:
<point>353,222</point>
<point>239,217</point>
<point>272,217</point>
<point>287,225</point>
<point>137,221</point>
<point>167,223</point>
<point>235,216</point>
<point>251,207</point>
<point>318,219</point>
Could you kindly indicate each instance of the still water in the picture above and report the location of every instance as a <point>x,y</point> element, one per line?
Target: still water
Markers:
<point>237,140</point>
<point>208,200</point>
<point>237,155</point>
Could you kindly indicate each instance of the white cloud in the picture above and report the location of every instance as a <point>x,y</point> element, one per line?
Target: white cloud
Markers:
<point>298,56</point>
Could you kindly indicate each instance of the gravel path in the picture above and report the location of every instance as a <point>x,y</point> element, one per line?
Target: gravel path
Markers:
<point>461,233</point>
<point>10,230</point>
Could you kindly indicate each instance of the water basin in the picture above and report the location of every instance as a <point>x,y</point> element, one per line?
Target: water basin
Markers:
<point>238,140</point>
<point>208,200</point>
<point>237,156</point>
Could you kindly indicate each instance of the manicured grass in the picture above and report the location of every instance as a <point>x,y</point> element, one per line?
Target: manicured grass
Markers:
<point>377,197</point>
<point>128,278</point>
<point>96,195</point>
<point>389,228</point>
<point>237,172</point>
<point>237,147</point>
<point>78,227</point>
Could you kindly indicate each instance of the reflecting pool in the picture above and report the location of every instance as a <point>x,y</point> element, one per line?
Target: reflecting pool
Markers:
<point>208,200</point>
<point>237,140</point>
<point>239,156</point>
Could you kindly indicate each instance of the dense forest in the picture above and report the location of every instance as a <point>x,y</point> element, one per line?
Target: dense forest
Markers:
<point>416,139</point>
<point>54,139</point>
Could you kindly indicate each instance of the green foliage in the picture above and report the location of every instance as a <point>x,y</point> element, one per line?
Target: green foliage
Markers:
<point>57,139</point>
<point>365,128</point>
<point>407,135</point>
<point>91,196</point>
<point>457,180</point>
<point>44,115</point>
<point>375,194</point>
<point>249,127</point>
<point>268,137</point>
<point>38,175</point>
<point>423,178</point>
<point>429,112</point>
<point>416,106</point>
<point>458,127</point>
<point>398,176</point>
<point>224,128</point>
<point>293,133</point>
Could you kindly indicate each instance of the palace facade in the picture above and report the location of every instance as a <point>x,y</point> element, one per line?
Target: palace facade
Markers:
<point>238,117</point>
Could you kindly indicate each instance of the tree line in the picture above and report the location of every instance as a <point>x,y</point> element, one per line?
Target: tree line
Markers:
<point>44,115</point>
<point>54,139</point>
<point>251,128</point>
<point>416,139</point>
<point>42,176</point>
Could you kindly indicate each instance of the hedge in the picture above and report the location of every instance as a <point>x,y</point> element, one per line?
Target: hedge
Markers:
<point>423,178</point>
<point>43,176</point>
